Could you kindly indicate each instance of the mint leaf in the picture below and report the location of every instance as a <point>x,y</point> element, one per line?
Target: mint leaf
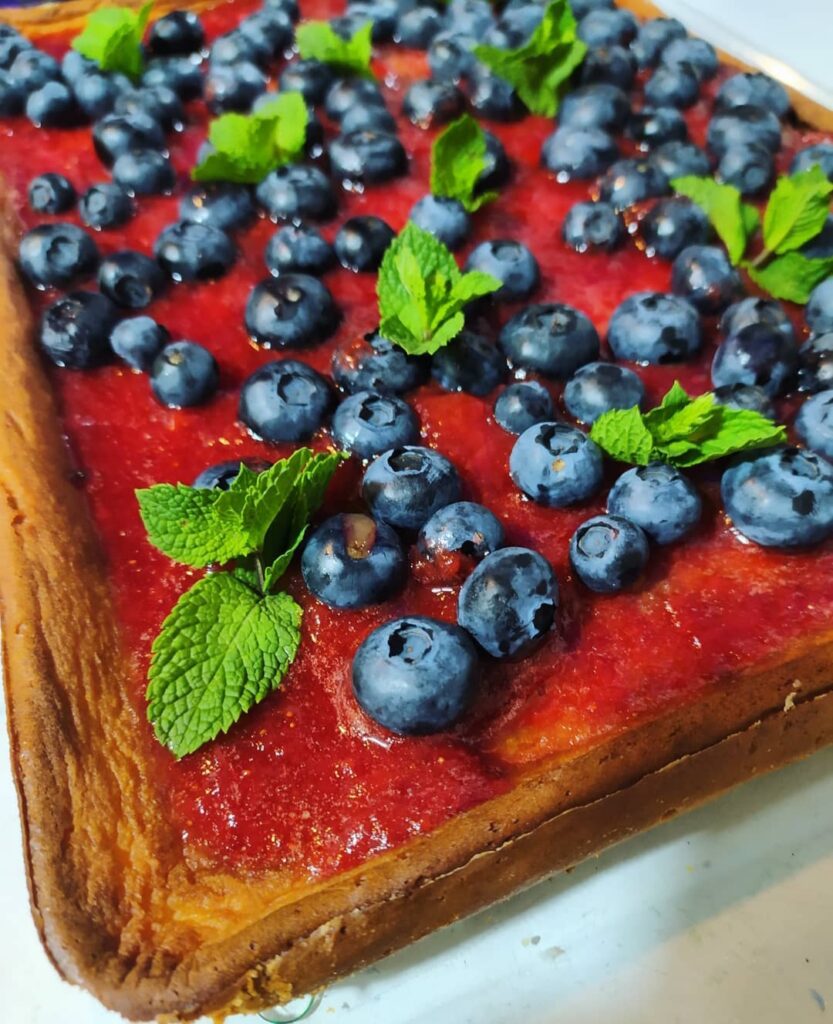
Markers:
<point>539,68</point>
<point>222,649</point>
<point>623,435</point>
<point>458,158</point>
<point>422,292</point>
<point>722,205</point>
<point>317,40</point>
<point>797,209</point>
<point>737,430</point>
<point>674,421</point>
<point>792,276</point>
<point>112,37</point>
<point>751,219</point>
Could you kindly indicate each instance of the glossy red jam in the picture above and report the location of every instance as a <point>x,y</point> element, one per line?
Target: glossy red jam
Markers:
<point>305,782</point>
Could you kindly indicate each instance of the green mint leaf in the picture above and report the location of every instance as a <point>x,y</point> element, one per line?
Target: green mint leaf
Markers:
<point>281,563</point>
<point>474,285</point>
<point>736,430</point>
<point>623,435</point>
<point>792,276</point>
<point>751,219</point>
<point>221,650</point>
<point>675,398</point>
<point>538,69</point>
<point>722,205</point>
<point>797,209</point>
<point>458,158</point>
<point>112,37</point>
<point>682,422</point>
<point>317,40</point>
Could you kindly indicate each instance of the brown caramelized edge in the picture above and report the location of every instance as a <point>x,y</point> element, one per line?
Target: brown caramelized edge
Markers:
<point>102,863</point>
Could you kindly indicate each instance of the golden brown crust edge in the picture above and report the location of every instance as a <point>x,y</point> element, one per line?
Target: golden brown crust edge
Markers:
<point>96,914</point>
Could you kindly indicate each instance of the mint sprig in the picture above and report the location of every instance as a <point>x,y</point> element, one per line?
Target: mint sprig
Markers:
<point>422,292</point>
<point>538,69</point>
<point>112,37</point>
<point>246,147</point>
<point>458,158</point>
<point>683,431</point>
<point>318,40</point>
<point>230,638</point>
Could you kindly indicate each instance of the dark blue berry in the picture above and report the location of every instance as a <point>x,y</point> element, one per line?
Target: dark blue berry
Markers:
<point>602,106</point>
<point>819,310</point>
<point>602,27</point>
<point>749,168</point>
<point>745,396</point>
<point>301,249</point>
<point>219,204</point>
<point>581,8</point>
<point>652,38</point>
<point>236,48</point>
<point>11,95</point>
<point>754,310</point>
<point>820,247</point>
<point>176,32</point>
<point>183,374</point>
<point>520,21</point>
<point>373,363</point>
<point>753,89</point>
<point>631,181</point>
<point>511,263</point>
<point>144,172</point>
<point>672,87</point>
<point>578,152</point>
<point>51,193</point>
<point>194,252</point>
<point>115,134</point>
<point>464,528</point>
<point>450,56</point>
<point>407,485</point>
<point>311,78</point>
<point>470,17</point>
<point>131,279</point>
<point>521,405</point>
<point>743,126</point>
<point>138,340</point>
<point>429,103</point>
<point>672,225</point>
<point>652,327</point>
<point>368,424</point>
<point>97,94</point>
<point>679,159</point>
<point>33,69</point>
<point>442,217</point>
<point>653,126</point>
<point>368,156</point>
<point>361,242</point>
<point>370,118</point>
<point>703,275</point>
<point>233,86</point>
<point>182,74</point>
<point>470,363</point>
<point>284,400</point>
<point>291,311</point>
<point>52,106</point>
<point>416,27</point>
<point>608,553</point>
<point>814,423</point>
<point>271,27</point>
<point>820,154</point>
<point>757,354</point>
<point>593,226</point>
<point>550,337</point>
<point>55,255</point>
<point>816,370</point>
<point>611,65</point>
<point>599,387</point>
<point>222,475</point>
<point>696,54</point>
<point>10,46</point>
<point>659,499</point>
<point>297,192</point>
<point>159,102</point>
<point>497,169</point>
<point>75,330</point>
<point>105,206</point>
<point>556,465</point>
<point>493,97</point>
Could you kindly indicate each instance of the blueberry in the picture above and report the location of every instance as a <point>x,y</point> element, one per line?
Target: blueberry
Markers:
<point>599,387</point>
<point>550,337</point>
<point>450,55</point>
<point>741,127</point>
<point>753,310</point>
<point>749,168</point>
<point>672,87</point>
<point>671,226</point>
<point>521,405</point>
<point>176,32</point>
<point>301,249</point>
<point>222,475</point>
<point>289,8</point>
<point>556,465</point>
<point>10,46</point>
<point>415,28</point>
<point>470,17</point>
<point>361,242</point>
<point>578,152</point>
<point>182,74</point>
<point>820,247</point>
<point>51,193</point>
<point>138,340</point>
<point>608,553</point>
<point>368,424</point>
<point>757,354</point>
<point>782,498</point>
<point>194,252</point>
<point>651,327</point>
<point>658,499</point>
<point>464,528</point>
<point>652,126</point>
<point>407,485</point>
<point>52,106</point>
<point>442,217</point>
<point>493,97</point>
<point>593,226</point>
<point>520,21</point>
<point>284,400</point>
<point>75,329</point>
<point>652,38</point>
<point>291,311</point>
<point>75,66</point>
<point>691,53</point>
<point>678,159</point>
<point>602,27</point>
<point>144,172</point>
<point>703,275</point>
<point>96,94</point>
<point>745,396</point>
<point>380,13</point>
<point>819,310</point>
<point>581,8</point>
<point>237,48</point>
<point>55,255</point>
<point>183,374</point>
<point>272,27</point>
<point>753,89</point>
<point>429,103</point>
<point>373,363</point>
<point>631,181</point>
<point>115,134</point>
<point>612,65</point>
<point>602,106</point>
<point>105,206</point>
<point>369,118</point>
<point>509,262</point>
<point>820,154</point>
<point>368,156</point>
<point>508,603</point>
<point>470,363</point>
<point>221,205</point>
<point>130,279</point>
<point>814,423</point>
<point>296,192</point>
<point>310,78</point>
<point>233,86</point>
<point>33,69</point>
<point>11,95</point>
<point>497,169</point>
<point>816,356</point>
<point>159,102</point>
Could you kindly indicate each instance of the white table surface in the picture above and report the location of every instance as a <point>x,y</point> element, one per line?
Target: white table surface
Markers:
<point>724,916</point>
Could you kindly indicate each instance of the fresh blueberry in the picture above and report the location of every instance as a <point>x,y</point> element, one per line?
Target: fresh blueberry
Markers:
<point>138,340</point>
<point>743,126</point>
<point>346,93</point>
<point>52,106</point>
<point>819,310</point>
<point>754,310</point>
<point>651,327</point>
<point>144,172</point>
<point>631,181</point>
<point>291,311</point>
<point>369,157</point>
<point>373,363</point>
<point>593,226</point>
<point>463,529</point>
<point>430,103</point>
<point>509,601</point>
<point>300,249</point>
<point>470,17</point>
<point>407,485</point>
<point>297,192</point>
<point>288,7</point>
<point>653,126</point>
<point>497,168</point>
<point>581,8</point>
<point>237,48</point>
<point>653,37</point>
<point>608,553</point>
<point>450,56</point>
<point>51,193</point>
<point>233,86</point>
<point>175,33</point>
<point>493,97</point>
<point>470,363</point>
<point>194,252</point>
<point>12,44</point>
<point>159,102</point>
<point>368,424</point>
<point>671,226</point>
<point>820,154</point>
<point>745,396</point>
<point>556,465</point>
<point>599,387</point>
<point>658,499</point>
<point>130,279</point>
<point>442,217</point>
<point>820,247</point>
<point>816,356</point>
<point>612,65</point>
<point>75,330</point>
<point>782,498</point>
<point>361,242</point>
<point>578,152</point>
<point>602,27</point>
<point>415,28</point>
<point>96,94</point>
<point>183,374</point>
<point>602,106</point>
<point>672,87</point>
<point>550,337</point>
<point>33,69</point>
<point>182,74</point>
<point>691,53</point>
<point>814,424</point>
<point>679,159</point>
<point>271,27</point>
<point>511,263</point>
<point>703,275</point>
<point>753,89</point>
<point>522,405</point>
<point>55,255</point>
<point>284,400</point>
<point>370,118</point>
<point>311,78</point>
<point>222,475</point>
<point>105,206</point>
<point>221,205</point>
<point>757,354</point>
<point>75,66</point>
<point>11,95</point>
<point>750,168</point>
<point>520,21</point>
<point>115,134</point>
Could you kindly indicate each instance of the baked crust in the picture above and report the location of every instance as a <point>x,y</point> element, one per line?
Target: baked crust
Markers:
<point>151,937</point>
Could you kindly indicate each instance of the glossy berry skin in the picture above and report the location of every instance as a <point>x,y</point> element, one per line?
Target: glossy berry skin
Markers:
<point>749,168</point>
<point>368,424</point>
<point>370,118</point>
<point>115,134</point>
<point>511,263</point>
<point>144,172</point>
<point>183,374</point>
<point>298,249</point>
<point>509,601</point>
<point>130,279</point>
<point>138,340</point>
<point>178,73</point>
<point>609,65</point>
<point>12,95</point>
<point>821,153</point>
<point>415,676</point>
<point>105,206</point>
<point>75,329</point>
<point>753,89</point>
<point>745,396</point>
<point>284,400</point>
<point>672,87</point>
<point>652,327</point>
<point>816,357</point>
<point>235,48</point>
<point>52,106</point>
<point>497,167</point>
<point>593,226</point>
<point>550,337</point>
<point>691,53</point>
<point>292,311</point>
<point>601,27</point>
<point>219,204</point>
<point>450,56</point>
<point>659,499</point>
<point>741,127</point>
<point>96,94</point>
<point>820,247</point>
<point>755,310</point>
<point>608,553</point>
<point>442,217</point>
<point>463,528</point>
<point>652,38</point>
<point>222,475</point>
<point>34,68</point>
<point>234,87</point>
<point>757,354</point>
<point>194,252</point>
<point>556,465</point>
<point>368,156</point>
<point>782,498</point>
<point>814,423</point>
<point>494,98</point>
<point>51,193</point>
<point>346,93</point>
<point>653,126</point>
<point>819,310</point>
<point>159,102</point>
<point>631,181</point>
<point>521,405</point>
<point>415,28</point>
<point>311,78</point>
<point>55,255</point>
<point>578,153</point>
<point>361,242</point>
<point>703,275</point>
<point>678,159</point>
<point>599,387</point>
<point>470,363</point>
<point>175,33</point>
<point>407,485</point>
<point>601,106</point>
<point>671,226</point>
<point>430,103</point>
<point>375,364</point>
<point>297,193</point>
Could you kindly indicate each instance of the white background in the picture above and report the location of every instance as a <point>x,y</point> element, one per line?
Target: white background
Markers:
<point>724,916</point>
